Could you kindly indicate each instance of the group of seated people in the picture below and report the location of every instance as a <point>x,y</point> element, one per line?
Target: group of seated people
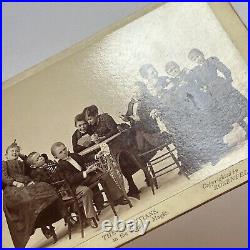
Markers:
<point>182,108</point>
<point>197,106</point>
<point>27,178</point>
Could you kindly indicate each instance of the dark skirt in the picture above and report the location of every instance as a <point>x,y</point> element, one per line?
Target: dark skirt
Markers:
<point>22,206</point>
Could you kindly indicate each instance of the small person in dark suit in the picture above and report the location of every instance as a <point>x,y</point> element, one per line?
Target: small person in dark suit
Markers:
<point>39,167</point>
<point>45,170</point>
<point>81,137</point>
<point>73,167</point>
<point>103,125</point>
<point>42,169</point>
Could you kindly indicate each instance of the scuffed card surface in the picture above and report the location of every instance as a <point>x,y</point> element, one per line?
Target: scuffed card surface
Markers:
<point>192,88</point>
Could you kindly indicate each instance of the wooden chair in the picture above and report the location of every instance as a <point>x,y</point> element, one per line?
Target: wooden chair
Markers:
<point>103,164</point>
<point>71,203</point>
<point>106,192</point>
<point>134,159</point>
<point>169,167</point>
<point>127,149</point>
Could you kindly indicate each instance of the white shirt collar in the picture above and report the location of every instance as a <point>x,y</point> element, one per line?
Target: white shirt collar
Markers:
<point>74,163</point>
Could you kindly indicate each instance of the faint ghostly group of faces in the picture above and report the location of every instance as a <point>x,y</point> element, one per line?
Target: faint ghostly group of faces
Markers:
<point>172,68</point>
<point>149,73</point>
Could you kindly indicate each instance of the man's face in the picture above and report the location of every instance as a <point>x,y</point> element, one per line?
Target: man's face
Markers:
<point>61,152</point>
<point>152,73</point>
<point>174,71</point>
<point>13,153</point>
<point>197,58</point>
<point>82,126</point>
<point>92,120</point>
<point>37,160</point>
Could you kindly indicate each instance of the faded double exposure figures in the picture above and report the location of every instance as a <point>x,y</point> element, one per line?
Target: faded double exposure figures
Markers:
<point>199,107</point>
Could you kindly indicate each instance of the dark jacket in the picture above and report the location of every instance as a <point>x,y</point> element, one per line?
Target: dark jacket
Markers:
<point>40,175</point>
<point>75,137</point>
<point>70,173</point>
<point>23,206</point>
<point>106,126</point>
<point>13,170</point>
<point>146,123</point>
<point>47,173</point>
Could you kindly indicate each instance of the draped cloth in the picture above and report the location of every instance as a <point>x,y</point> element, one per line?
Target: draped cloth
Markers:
<point>22,206</point>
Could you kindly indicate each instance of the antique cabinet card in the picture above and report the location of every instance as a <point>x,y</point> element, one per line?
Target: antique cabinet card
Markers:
<point>157,104</point>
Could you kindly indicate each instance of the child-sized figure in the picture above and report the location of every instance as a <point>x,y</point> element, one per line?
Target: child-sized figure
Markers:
<point>24,201</point>
<point>81,139</point>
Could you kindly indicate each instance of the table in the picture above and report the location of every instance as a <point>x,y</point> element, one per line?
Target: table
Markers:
<point>108,163</point>
<point>99,145</point>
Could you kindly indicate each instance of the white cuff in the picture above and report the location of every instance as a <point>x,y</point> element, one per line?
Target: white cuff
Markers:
<point>84,174</point>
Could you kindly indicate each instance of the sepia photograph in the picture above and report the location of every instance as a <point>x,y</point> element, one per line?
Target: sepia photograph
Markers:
<point>124,131</point>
